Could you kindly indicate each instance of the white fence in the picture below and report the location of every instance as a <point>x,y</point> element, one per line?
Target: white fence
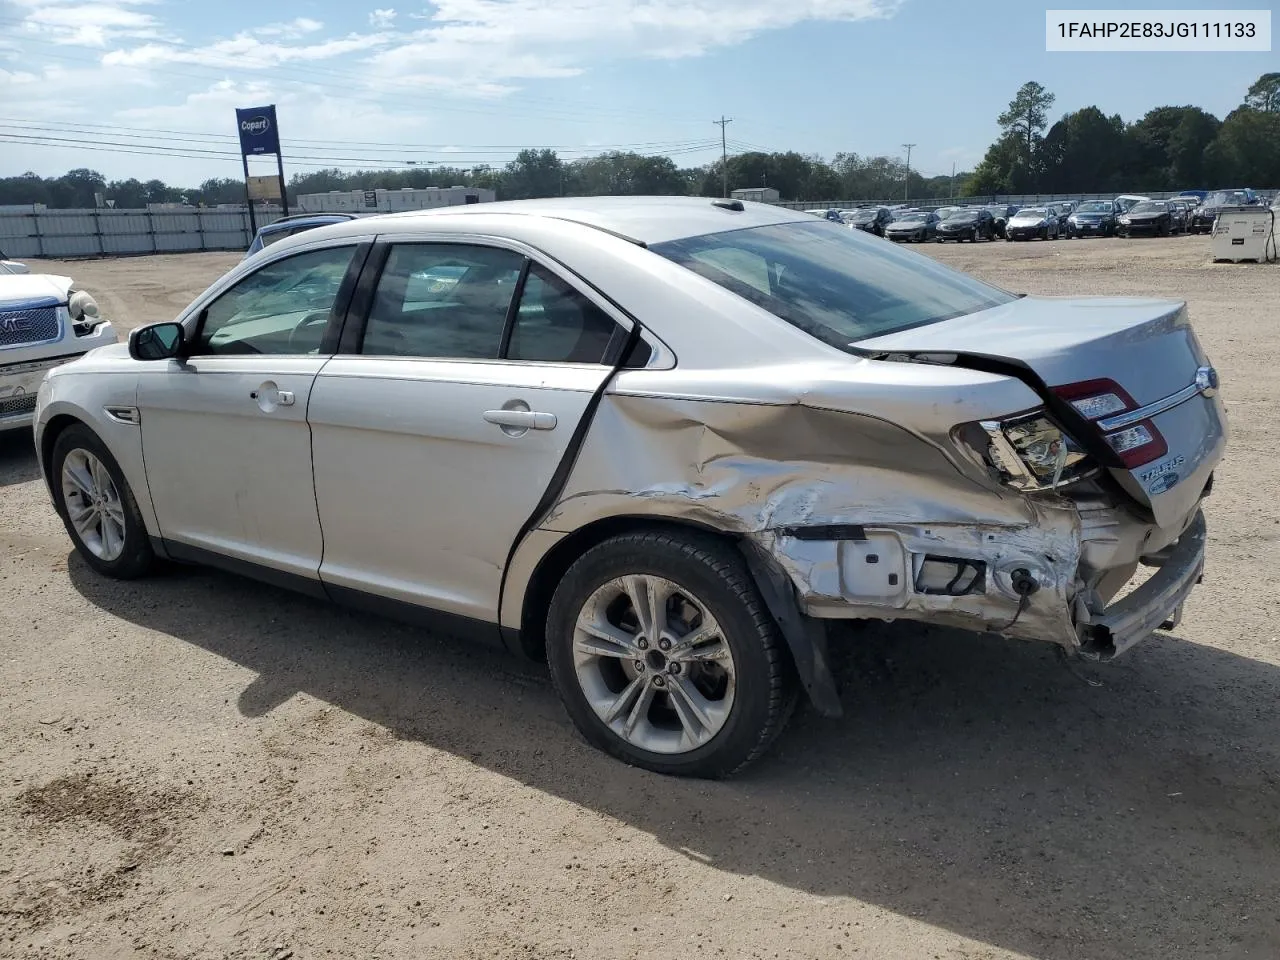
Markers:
<point>96,233</point>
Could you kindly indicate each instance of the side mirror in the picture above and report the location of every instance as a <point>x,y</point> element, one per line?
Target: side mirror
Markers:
<point>158,341</point>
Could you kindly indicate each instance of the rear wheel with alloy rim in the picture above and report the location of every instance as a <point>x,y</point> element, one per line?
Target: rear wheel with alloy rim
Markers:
<point>97,507</point>
<point>665,656</point>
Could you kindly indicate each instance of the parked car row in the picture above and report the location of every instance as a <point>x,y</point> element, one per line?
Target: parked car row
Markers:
<point>1191,211</point>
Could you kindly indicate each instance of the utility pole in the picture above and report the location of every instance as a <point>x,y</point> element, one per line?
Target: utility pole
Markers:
<point>953,179</point>
<point>724,155</point>
<point>906,187</point>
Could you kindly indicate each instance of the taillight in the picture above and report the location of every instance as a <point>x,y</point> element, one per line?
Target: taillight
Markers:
<point>1096,400</point>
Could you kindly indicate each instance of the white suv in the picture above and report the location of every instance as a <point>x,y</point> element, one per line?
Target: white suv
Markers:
<point>44,321</point>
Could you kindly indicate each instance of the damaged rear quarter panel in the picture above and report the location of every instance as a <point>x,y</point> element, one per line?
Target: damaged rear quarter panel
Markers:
<point>753,454</point>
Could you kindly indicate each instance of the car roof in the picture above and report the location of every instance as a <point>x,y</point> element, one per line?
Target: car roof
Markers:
<point>642,220</point>
<point>304,220</point>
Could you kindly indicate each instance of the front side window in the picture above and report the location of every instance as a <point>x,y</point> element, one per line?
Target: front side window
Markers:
<point>555,323</point>
<point>447,301</point>
<point>838,286</point>
<point>283,308</point>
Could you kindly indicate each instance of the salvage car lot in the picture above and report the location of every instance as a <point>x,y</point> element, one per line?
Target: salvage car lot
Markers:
<point>201,766</point>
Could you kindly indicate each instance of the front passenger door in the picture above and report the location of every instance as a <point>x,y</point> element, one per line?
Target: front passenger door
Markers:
<point>225,438</point>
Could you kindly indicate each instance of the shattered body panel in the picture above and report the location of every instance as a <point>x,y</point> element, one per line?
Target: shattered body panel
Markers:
<point>847,504</point>
<point>763,470</point>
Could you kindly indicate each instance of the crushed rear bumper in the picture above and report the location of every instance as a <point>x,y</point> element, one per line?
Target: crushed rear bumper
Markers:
<point>1136,615</point>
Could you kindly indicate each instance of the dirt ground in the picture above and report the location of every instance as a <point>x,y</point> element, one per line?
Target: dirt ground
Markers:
<point>201,766</point>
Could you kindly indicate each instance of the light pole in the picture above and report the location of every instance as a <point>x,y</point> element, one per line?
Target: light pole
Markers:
<point>724,154</point>
<point>906,187</point>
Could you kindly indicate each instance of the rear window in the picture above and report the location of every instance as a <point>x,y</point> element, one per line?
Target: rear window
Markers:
<point>839,286</point>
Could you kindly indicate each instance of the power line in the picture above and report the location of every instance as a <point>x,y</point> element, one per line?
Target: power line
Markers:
<point>310,148</point>
<point>116,129</point>
<point>303,160</point>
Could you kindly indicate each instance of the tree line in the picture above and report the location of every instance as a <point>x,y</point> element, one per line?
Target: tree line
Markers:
<point>1170,148</point>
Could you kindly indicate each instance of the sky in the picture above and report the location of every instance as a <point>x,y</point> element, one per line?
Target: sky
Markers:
<point>124,86</point>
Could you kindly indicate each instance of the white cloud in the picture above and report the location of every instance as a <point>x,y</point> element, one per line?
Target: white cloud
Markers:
<point>243,51</point>
<point>490,43</point>
<point>88,24</point>
<point>298,27</point>
<point>381,19</point>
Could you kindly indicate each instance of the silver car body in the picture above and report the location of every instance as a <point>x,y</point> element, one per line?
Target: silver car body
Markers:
<point>840,474</point>
<point>37,334</point>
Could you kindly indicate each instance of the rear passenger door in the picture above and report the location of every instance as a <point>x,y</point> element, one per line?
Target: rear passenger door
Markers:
<point>436,435</point>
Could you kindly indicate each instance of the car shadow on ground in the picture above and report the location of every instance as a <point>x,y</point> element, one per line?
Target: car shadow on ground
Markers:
<point>974,784</point>
<point>17,457</point>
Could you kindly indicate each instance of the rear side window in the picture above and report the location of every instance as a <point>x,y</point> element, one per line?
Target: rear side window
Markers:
<point>447,301</point>
<point>555,323</point>
<point>837,285</point>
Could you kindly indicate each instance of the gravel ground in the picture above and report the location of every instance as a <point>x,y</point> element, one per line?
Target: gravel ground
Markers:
<point>202,766</point>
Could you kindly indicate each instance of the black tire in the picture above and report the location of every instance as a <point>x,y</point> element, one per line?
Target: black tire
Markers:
<point>716,574</point>
<point>137,557</point>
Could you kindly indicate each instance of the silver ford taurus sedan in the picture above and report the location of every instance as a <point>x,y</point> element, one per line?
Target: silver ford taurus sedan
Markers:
<point>661,442</point>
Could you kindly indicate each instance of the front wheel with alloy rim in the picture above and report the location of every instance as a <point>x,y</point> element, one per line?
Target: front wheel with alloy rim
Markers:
<point>665,656</point>
<point>97,507</point>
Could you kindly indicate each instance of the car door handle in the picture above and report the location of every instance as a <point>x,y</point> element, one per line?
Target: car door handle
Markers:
<point>268,397</point>
<point>521,419</point>
<point>283,397</point>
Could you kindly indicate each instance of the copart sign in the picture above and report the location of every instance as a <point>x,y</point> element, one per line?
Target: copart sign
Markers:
<point>258,131</point>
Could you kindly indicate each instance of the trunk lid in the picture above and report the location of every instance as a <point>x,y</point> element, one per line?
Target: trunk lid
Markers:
<point>1145,346</point>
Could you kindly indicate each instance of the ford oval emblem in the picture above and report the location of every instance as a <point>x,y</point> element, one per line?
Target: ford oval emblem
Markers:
<point>1207,381</point>
<point>1163,483</point>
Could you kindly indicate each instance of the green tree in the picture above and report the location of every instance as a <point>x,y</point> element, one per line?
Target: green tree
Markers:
<point>27,188</point>
<point>127,194</point>
<point>1028,114</point>
<point>1082,152</point>
<point>1003,170</point>
<point>76,188</point>
<point>1166,148</point>
<point>625,174</point>
<point>1264,95</point>
<point>1013,163</point>
<point>533,173</point>
<point>1246,152</point>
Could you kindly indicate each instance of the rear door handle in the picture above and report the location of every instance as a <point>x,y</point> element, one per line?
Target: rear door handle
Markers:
<point>521,419</point>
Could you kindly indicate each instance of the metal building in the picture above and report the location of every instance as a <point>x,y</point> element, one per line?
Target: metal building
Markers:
<point>758,194</point>
<point>391,201</point>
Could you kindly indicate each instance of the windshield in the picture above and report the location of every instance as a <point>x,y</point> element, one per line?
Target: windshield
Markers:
<point>1035,213</point>
<point>838,286</point>
<point>1226,198</point>
<point>961,214</point>
<point>910,216</point>
<point>1095,206</point>
<point>1149,206</point>
<point>865,214</point>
